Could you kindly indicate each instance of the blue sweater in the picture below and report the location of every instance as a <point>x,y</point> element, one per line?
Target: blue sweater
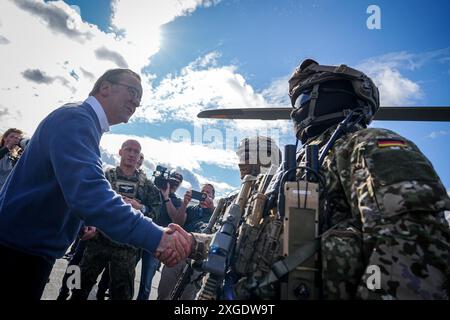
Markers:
<point>58,183</point>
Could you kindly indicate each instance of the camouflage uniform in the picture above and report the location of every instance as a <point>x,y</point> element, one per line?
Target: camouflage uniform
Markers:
<point>390,216</point>
<point>101,251</point>
<point>249,262</point>
<point>381,205</point>
<point>386,206</point>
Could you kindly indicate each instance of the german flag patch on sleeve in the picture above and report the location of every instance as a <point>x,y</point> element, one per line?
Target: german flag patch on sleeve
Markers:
<point>383,143</point>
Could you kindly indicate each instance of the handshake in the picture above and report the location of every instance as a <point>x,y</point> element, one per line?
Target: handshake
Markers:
<point>174,246</point>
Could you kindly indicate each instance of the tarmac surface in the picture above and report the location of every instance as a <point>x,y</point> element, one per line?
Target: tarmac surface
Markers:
<point>52,289</point>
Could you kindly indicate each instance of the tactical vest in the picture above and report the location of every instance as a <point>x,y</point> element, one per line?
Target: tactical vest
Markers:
<point>131,187</point>
<point>266,242</point>
<point>274,257</point>
<point>136,187</point>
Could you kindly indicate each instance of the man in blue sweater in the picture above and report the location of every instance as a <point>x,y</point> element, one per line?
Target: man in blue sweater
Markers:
<point>58,183</point>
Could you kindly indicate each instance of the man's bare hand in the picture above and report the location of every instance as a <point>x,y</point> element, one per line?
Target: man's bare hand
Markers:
<point>187,197</point>
<point>177,228</point>
<point>133,202</point>
<point>165,192</point>
<point>207,203</point>
<point>175,245</point>
<point>88,233</point>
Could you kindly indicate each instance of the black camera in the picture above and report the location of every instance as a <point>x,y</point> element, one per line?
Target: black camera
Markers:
<point>161,175</point>
<point>200,196</point>
<point>23,142</point>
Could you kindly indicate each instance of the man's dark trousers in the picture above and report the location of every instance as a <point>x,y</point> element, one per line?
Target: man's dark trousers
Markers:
<point>22,276</point>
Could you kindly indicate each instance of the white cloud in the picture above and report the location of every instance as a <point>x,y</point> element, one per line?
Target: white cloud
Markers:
<point>76,8</point>
<point>277,92</point>
<point>437,134</point>
<point>202,85</point>
<point>50,37</point>
<point>52,57</point>
<point>222,188</point>
<point>174,154</point>
<point>138,21</point>
<point>395,88</point>
<point>49,40</point>
<point>182,157</point>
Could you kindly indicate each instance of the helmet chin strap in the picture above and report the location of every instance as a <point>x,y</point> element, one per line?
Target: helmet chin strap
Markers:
<point>311,119</point>
<point>345,126</point>
<point>302,127</point>
<point>310,74</point>
<point>312,103</point>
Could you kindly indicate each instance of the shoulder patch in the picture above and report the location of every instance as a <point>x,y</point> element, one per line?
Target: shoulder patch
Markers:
<point>383,143</point>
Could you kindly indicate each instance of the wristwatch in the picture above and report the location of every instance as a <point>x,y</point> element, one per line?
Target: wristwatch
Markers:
<point>167,200</point>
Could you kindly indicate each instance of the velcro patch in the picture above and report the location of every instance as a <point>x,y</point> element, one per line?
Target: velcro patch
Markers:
<point>382,143</point>
<point>125,188</point>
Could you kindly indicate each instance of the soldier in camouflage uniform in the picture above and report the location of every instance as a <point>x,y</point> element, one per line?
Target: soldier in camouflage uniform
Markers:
<point>382,203</point>
<point>258,156</point>
<point>258,159</point>
<point>101,251</point>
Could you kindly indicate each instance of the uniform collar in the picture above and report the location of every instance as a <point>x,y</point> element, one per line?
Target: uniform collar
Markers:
<point>121,173</point>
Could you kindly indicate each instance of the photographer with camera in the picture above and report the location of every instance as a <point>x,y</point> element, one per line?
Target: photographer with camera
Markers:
<point>197,218</point>
<point>172,210</point>
<point>174,207</point>
<point>11,147</point>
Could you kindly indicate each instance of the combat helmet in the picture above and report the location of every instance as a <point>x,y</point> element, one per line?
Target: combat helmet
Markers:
<point>324,95</point>
<point>257,154</point>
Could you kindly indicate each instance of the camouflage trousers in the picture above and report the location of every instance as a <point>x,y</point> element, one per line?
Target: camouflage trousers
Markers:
<point>100,253</point>
<point>404,257</point>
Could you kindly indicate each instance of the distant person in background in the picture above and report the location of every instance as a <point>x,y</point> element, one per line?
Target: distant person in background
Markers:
<point>101,252</point>
<point>9,152</point>
<point>140,161</point>
<point>172,211</point>
<point>197,218</point>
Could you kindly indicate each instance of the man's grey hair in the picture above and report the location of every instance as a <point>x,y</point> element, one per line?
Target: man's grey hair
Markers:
<point>113,75</point>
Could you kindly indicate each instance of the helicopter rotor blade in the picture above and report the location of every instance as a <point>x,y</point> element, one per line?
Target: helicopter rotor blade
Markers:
<point>384,113</point>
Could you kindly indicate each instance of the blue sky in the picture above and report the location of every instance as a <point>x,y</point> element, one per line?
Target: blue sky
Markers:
<point>197,55</point>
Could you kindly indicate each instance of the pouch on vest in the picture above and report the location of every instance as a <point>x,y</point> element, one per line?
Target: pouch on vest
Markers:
<point>300,228</point>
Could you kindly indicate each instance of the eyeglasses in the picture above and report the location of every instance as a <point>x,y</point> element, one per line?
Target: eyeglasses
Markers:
<point>135,93</point>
